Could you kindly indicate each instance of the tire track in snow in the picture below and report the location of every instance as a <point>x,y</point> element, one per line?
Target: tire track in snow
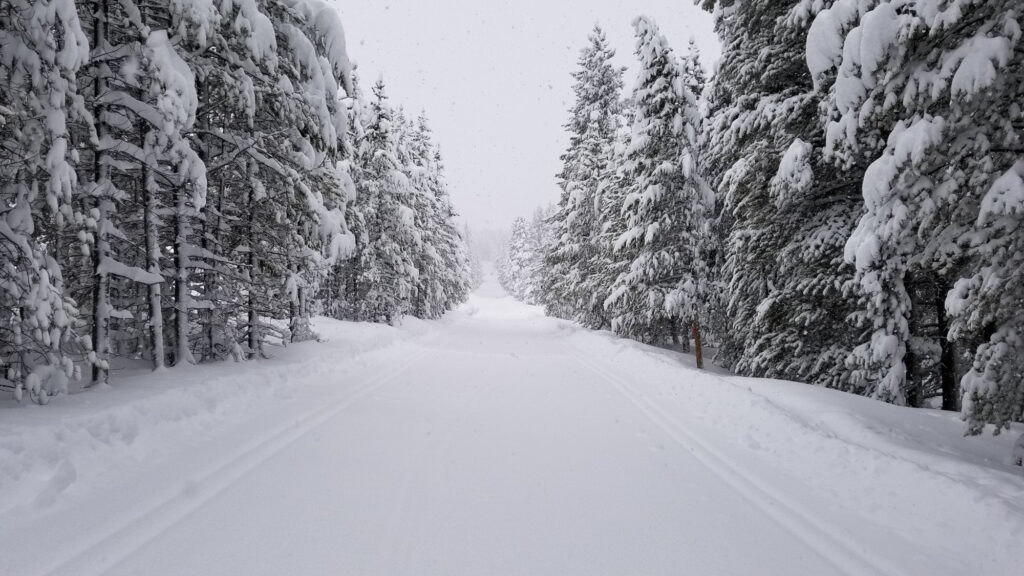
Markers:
<point>106,550</point>
<point>829,542</point>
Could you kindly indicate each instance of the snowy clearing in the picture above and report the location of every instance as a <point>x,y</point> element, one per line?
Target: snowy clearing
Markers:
<point>495,441</point>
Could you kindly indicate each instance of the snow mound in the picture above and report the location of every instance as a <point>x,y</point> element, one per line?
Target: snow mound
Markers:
<point>80,440</point>
<point>907,475</point>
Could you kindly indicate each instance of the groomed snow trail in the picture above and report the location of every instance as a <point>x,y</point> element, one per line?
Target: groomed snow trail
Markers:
<point>494,444</point>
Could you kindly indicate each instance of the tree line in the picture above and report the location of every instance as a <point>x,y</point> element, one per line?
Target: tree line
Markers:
<point>840,204</point>
<point>190,181</point>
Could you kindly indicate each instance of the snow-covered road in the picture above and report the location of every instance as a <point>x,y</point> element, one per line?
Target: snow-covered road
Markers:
<point>502,442</point>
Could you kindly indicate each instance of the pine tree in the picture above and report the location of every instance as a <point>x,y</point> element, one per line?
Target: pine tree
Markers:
<point>342,295</point>
<point>614,181</point>
<point>664,208</point>
<point>42,49</point>
<point>287,216</point>
<point>696,76</point>
<point>592,128</point>
<point>515,263</point>
<point>427,292</point>
<point>386,269</point>
<point>441,259</point>
<point>931,112</point>
<point>473,264</point>
<point>523,268</point>
<point>783,212</point>
<point>230,53</point>
<point>142,99</point>
<point>988,306</point>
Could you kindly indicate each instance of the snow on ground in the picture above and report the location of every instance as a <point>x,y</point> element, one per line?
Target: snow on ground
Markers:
<point>495,441</point>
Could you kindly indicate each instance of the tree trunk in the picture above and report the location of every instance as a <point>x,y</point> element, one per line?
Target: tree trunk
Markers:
<point>328,292</point>
<point>156,315</point>
<point>182,296</point>
<point>679,332</point>
<point>101,247</point>
<point>100,297</point>
<point>216,317</point>
<point>293,318</point>
<point>353,288</point>
<point>697,345</point>
<point>206,322</point>
<point>947,362</point>
<point>254,336</point>
<point>209,286</point>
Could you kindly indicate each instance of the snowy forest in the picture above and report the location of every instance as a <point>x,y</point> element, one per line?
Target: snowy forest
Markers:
<point>840,203</point>
<point>189,181</point>
<point>696,287</point>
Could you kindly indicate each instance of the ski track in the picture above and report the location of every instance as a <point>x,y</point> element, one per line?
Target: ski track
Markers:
<point>826,540</point>
<point>104,552</point>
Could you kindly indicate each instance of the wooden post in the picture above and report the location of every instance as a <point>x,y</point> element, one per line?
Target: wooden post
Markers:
<point>696,344</point>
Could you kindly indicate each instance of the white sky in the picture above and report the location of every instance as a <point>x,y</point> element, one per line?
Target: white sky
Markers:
<point>494,79</point>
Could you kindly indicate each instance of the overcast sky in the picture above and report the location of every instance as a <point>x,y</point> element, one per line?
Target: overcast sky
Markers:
<point>494,79</point>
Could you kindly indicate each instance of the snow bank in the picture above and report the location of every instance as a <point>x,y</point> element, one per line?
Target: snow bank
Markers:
<point>908,477</point>
<point>84,439</point>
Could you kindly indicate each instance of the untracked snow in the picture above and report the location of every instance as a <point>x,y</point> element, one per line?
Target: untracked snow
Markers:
<point>495,441</point>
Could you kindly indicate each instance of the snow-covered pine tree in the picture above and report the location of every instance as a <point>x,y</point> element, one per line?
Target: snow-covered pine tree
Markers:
<point>323,185</point>
<point>232,53</point>
<point>141,94</point>
<point>656,298</point>
<point>927,98</point>
<point>592,127</point>
<point>341,293</point>
<point>457,278</point>
<point>286,219</point>
<point>540,235</point>
<point>695,73</point>
<point>409,170</point>
<point>607,264</point>
<point>473,264</point>
<point>522,267</point>
<point>514,263</point>
<point>386,271</point>
<point>426,294</point>
<point>988,307</point>
<point>443,279</point>
<point>778,302</point>
<point>183,193</point>
<point>42,50</point>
